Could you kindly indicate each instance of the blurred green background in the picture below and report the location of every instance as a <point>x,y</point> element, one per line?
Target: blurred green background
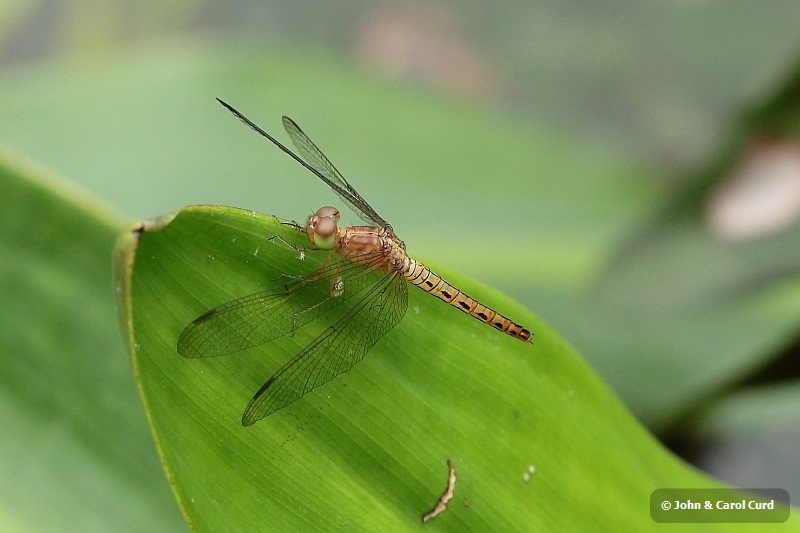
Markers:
<point>628,170</point>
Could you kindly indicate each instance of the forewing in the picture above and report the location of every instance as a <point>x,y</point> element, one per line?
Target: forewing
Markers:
<point>315,158</point>
<point>266,315</point>
<point>336,350</point>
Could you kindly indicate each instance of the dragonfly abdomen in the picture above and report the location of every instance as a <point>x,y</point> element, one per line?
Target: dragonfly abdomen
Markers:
<point>430,282</point>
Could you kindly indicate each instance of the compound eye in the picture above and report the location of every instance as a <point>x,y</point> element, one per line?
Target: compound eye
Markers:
<point>325,233</point>
<point>328,212</point>
<point>325,227</point>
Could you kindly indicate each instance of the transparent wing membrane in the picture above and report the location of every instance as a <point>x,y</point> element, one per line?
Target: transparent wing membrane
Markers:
<point>336,350</point>
<point>322,164</point>
<point>266,315</point>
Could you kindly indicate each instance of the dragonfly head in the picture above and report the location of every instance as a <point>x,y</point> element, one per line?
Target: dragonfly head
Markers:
<point>321,227</point>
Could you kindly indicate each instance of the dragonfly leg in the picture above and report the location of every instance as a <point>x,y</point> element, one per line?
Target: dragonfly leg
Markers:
<point>337,289</point>
<point>337,284</point>
<point>292,246</point>
<point>291,223</point>
<point>318,274</point>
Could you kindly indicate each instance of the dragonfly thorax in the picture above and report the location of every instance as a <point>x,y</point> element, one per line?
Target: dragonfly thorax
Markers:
<point>322,228</point>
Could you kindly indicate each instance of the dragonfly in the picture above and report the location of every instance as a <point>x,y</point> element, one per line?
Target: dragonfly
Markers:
<point>366,274</point>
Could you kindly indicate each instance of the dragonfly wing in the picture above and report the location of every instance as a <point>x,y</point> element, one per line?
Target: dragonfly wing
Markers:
<point>266,315</point>
<point>318,164</point>
<point>334,351</point>
<point>315,158</point>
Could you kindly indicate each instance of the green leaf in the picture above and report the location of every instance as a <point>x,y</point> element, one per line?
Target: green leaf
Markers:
<point>74,448</point>
<point>537,440</point>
